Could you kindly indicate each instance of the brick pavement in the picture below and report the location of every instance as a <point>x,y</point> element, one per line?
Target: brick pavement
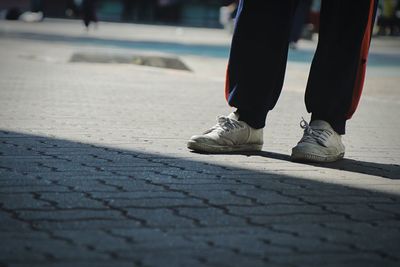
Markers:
<point>94,169</point>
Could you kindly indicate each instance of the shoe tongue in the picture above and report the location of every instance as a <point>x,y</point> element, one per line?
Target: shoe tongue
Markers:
<point>318,124</point>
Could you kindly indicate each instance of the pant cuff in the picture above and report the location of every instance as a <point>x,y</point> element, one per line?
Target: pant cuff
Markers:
<point>254,119</point>
<point>339,125</point>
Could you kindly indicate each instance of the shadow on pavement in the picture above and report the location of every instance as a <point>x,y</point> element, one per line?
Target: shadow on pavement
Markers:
<point>218,51</point>
<point>390,171</point>
<point>64,202</point>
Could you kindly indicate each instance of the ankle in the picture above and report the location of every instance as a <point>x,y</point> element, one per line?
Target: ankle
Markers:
<point>337,124</point>
<point>255,120</point>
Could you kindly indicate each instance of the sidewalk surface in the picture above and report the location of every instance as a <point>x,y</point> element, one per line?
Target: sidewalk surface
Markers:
<point>94,169</point>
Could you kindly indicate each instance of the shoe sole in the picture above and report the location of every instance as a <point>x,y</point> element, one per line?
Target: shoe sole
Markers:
<point>223,149</point>
<point>307,157</point>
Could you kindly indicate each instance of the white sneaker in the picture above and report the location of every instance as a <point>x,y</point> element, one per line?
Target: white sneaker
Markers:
<point>228,135</point>
<point>320,143</point>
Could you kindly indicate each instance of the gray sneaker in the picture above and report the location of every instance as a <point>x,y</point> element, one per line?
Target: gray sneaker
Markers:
<point>228,135</point>
<point>320,143</point>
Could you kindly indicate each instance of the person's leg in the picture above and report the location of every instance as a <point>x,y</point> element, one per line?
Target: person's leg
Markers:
<point>336,78</point>
<point>338,68</point>
<point>258,57</point>
<point>254,77</point>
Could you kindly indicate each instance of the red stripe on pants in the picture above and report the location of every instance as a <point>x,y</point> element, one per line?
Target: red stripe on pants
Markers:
<point>227,85</point>
<point>359,83</point>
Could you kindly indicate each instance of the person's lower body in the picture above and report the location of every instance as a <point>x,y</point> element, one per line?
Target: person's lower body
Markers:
<point>258,59</point>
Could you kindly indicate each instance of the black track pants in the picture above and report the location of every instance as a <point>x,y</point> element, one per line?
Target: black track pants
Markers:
<point>259,51</point>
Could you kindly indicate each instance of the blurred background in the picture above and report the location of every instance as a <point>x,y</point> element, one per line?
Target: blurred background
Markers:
<point>203,13</point>
<point>198,13</point>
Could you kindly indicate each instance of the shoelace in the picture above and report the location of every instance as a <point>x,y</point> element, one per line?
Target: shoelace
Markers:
<point>315,136</point>
<point>225,124</point>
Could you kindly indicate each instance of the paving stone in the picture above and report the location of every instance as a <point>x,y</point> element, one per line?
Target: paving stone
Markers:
<point>266,198</point>
<point>108,196</point>
<point>169,259</point>
<point>72,201</point>
<point>60,251</point>
<point>389,208</point>
<point>148,235</point>
<point>97,240</point>
<point>156,202</point>
<point>162,218</point>
<point>31,189</point>
<point>77,263</point>
<point>315,217</point>
<point>209,186</point>
<point>83,225</point>
<point>83,184</point>
<point>243,243</point>
<point>8,222</point>
<point>132,185</point>
<point>23,167</point>
<point>360,212</point>
<point>275,209</point>
<point>22,180</point>
<point>22,201</point>
<point>20,253</point>
<point>70,215</point>
<point>334,259</point>
<point>211,216</point>
<point>221,198</point>
<point>347,199</point>
<point>8,150</point>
